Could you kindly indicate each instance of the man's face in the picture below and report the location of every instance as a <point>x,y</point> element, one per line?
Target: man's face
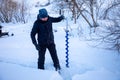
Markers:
<point>44,19</point>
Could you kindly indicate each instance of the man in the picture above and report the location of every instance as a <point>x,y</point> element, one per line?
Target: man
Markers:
<point>0,29</point>
<point>45,38</point>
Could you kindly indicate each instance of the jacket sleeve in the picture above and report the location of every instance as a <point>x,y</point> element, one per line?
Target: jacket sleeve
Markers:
<point>34,31</point>
<point>57,19</point>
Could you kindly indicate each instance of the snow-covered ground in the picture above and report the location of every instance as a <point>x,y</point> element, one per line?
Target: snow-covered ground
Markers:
<point>18,57</point>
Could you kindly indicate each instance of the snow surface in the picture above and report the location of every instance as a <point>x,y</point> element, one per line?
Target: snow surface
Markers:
<point>18,56</point>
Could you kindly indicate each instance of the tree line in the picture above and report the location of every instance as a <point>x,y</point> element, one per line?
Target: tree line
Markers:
<point>93,11</point>
<point>13,11</point>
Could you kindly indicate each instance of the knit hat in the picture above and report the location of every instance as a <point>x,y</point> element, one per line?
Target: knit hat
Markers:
<point>43,13</point>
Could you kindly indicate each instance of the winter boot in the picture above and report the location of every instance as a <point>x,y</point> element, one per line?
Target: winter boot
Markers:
<point>57,67</point>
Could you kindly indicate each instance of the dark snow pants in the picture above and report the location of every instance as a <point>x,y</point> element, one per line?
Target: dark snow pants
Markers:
<point>41,57</point>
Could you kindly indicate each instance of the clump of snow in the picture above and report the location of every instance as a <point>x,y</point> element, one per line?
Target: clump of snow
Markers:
<point>16,72</point>
<point>101,74</point>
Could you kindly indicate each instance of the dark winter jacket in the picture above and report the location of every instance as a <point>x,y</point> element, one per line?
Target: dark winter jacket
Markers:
<point>44,30</point>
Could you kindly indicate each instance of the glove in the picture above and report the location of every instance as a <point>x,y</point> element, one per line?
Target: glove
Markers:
<point>37,47</point>
<point>62,17</point>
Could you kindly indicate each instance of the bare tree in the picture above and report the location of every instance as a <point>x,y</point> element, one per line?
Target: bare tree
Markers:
<point>94,10</point>
<point>21,13</point>
<point>6,10</point>
<point>12,11</point>
<point>112,32</point>
<point>110,7</point>
<point>83,8</point>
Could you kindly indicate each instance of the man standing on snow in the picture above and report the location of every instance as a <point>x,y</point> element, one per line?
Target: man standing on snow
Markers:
<point>45,38</point>
<point>0,29</point>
